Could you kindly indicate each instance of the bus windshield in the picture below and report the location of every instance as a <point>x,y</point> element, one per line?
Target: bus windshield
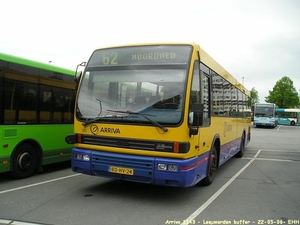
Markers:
<point>146,85</point>
<point>264,112</point>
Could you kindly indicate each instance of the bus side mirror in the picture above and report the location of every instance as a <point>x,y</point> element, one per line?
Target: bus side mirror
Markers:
<point>78,74</point>
<point>196,118</point>
<point>77,79</point>
<point>198,115</point>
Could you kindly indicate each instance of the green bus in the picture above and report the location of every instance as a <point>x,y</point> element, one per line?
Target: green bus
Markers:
<point>36,114</point>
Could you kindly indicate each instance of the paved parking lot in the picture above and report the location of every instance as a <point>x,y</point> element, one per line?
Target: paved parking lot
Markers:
<point>261,188</point>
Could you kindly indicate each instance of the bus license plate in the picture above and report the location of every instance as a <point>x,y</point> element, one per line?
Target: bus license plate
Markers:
<point>121,170</point>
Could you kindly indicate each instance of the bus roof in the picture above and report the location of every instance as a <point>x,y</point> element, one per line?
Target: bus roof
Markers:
<point>265,104</point>
<point>211,63</point>
<point>204,57</point>
<point>35,64</point>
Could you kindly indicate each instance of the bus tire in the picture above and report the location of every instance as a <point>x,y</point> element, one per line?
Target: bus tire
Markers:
<point>212,167</point>
<point>24,161</point>
<point>293,123</point>
<point>240,154</point>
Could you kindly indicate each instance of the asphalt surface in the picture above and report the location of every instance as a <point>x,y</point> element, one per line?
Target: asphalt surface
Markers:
<point>261,188</point>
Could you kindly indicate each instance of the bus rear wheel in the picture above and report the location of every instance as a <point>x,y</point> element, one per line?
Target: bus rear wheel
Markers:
<point>24,161</point>
<point>293,123</point>
<point>240,154</point>
<point>212,167</point>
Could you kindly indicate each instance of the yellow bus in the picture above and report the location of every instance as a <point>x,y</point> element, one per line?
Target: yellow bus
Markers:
<point>161,113</point>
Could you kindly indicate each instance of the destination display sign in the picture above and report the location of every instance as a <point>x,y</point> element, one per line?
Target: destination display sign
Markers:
<point>141,55</point>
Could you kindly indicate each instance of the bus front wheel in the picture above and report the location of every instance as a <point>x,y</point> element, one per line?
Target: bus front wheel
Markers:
<point>24,161</point>
<point>293,123</point>
<point>212,167</point>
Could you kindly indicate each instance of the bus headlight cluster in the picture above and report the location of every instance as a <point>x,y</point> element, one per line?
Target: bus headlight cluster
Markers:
<point>167,167</point>
<point>84,157</point>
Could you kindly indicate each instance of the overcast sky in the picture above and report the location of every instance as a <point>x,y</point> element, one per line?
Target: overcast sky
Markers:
<point>258,40</point>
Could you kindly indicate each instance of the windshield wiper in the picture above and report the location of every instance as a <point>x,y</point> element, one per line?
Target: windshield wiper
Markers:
<point>143,115</point>
<point>98,118</point>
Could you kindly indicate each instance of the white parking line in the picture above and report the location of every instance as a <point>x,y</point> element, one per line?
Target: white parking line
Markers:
<point>15,222</point>
<point>212,198</point>
<point>269,150</point>
<point>270,159</point>
<point>40,183</point>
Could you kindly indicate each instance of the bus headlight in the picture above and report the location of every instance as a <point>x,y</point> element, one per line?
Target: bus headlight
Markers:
<point>167,167</point>
<point>83,157</point>
<point>161,166</point>
<point>172,167</point>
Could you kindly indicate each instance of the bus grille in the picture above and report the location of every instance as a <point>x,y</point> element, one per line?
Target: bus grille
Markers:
<point>121,143</point>
<point>10,133</point>
<point>162,146</point>
<point>143,166</point>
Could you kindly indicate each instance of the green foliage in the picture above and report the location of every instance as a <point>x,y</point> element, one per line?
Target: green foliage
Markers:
<point>254,96</point>
<point>284,94</point>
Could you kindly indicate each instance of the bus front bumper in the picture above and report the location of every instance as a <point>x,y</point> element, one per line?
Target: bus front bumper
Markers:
<point>143,169</point>
<point>264,124</point>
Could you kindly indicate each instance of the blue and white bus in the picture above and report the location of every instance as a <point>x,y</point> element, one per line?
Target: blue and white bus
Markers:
<point>288,116</point>
<point>265,115</point>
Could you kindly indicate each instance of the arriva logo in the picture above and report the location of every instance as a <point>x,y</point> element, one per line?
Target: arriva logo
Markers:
<point>110,130</point>
<point>95,130</point>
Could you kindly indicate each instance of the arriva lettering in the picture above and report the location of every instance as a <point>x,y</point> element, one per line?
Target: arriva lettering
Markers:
<point>154,56</point>
<point>110,130</point>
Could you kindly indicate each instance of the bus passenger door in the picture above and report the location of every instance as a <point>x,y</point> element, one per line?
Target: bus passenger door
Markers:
<point>200,94</point>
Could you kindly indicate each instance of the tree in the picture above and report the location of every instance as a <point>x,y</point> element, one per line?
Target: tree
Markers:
<point>284,94</point>
<point>254,96</point>
<point>299,98</point>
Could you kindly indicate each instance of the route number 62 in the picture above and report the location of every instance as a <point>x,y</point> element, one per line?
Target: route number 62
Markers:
<point>110,59</point>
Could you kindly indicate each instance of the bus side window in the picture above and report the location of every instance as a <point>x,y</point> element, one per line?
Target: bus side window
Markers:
<point>205,80</point>
<point>195,92</point>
